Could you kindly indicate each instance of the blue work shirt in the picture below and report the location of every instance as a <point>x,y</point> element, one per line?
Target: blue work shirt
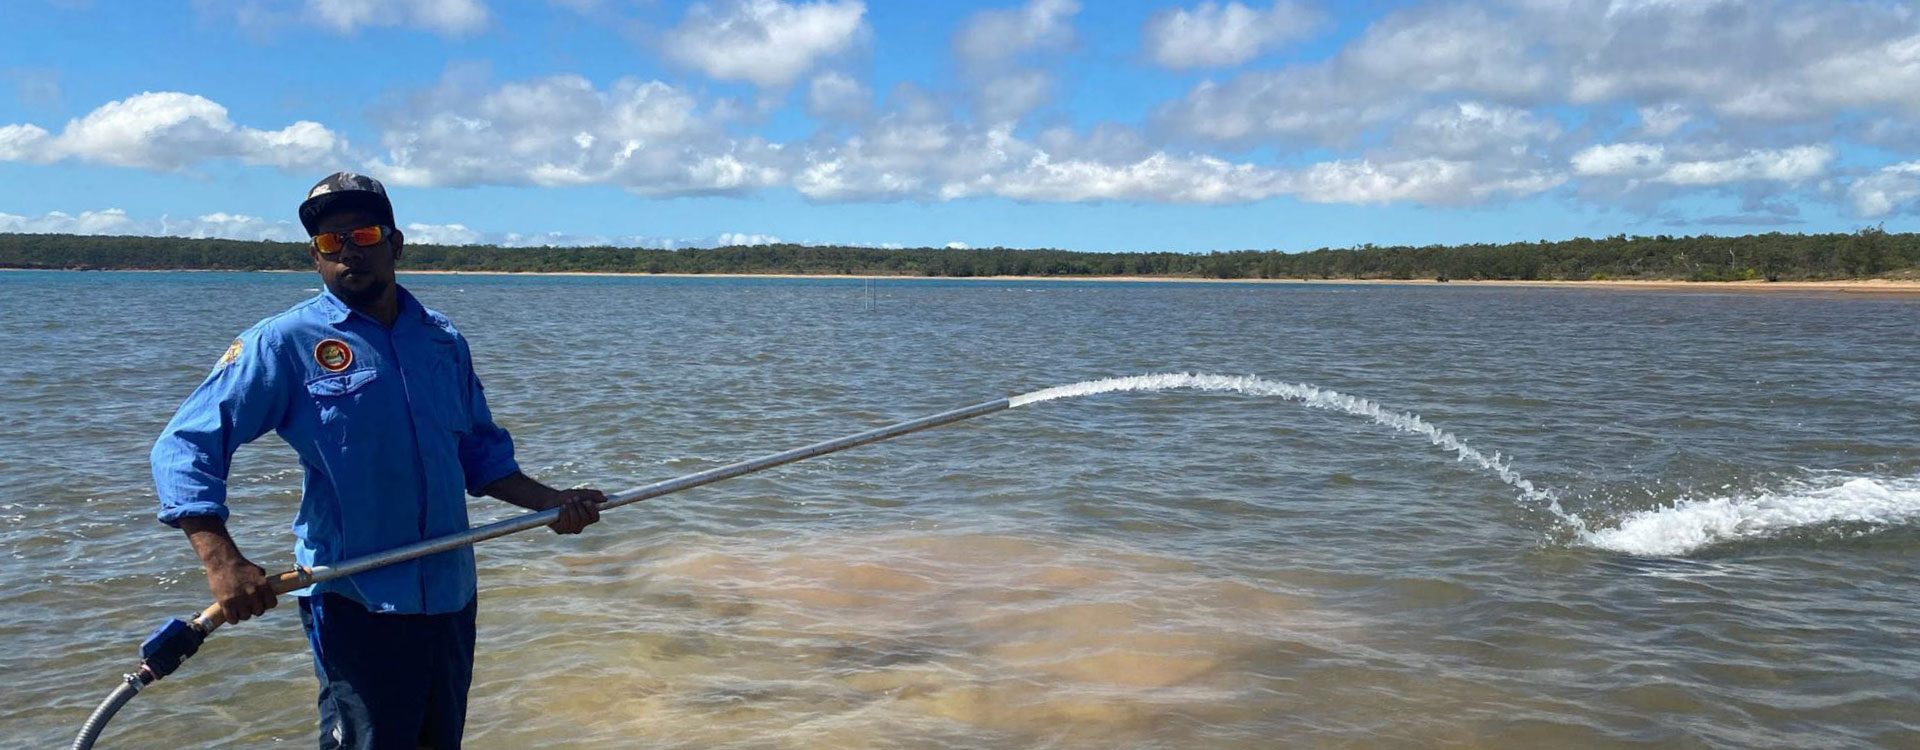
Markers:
<point>392,429</point>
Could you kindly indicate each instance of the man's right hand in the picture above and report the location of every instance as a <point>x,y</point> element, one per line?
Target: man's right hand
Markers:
<point>241,589</point>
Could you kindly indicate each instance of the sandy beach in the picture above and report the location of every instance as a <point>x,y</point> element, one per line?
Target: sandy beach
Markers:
<point>1887,287</point>
<point>1896,287</point>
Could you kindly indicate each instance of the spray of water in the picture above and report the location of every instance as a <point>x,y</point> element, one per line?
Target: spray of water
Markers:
<point>1686,526</point>
<point>1691,524</point>
<point>1320,398</point>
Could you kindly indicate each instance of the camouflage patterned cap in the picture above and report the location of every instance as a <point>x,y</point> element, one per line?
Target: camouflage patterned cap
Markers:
<point>342,189</point>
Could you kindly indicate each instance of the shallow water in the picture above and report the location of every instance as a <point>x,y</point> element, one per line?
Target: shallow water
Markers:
<point>1178,569</point>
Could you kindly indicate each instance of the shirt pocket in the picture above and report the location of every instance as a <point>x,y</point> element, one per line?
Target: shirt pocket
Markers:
<point>336,396</point>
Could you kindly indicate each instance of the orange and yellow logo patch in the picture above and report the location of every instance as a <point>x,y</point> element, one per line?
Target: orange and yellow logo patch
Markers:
<point>332,354</point>
<point>233,353</point>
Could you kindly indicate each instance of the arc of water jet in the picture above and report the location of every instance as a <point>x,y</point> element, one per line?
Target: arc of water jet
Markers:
<point>1314,396</point>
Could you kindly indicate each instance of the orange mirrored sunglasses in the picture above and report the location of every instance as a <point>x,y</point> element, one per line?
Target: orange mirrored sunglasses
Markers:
<point>332,243</point>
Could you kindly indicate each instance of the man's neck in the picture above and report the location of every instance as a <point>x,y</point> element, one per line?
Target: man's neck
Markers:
<point>384,310</point>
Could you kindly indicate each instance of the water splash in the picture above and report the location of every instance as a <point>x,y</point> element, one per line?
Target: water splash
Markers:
<point>1319,398</point>
<point>1687,526</point>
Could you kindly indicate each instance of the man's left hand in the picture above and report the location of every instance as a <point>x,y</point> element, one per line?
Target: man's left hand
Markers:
<point>579,508</point>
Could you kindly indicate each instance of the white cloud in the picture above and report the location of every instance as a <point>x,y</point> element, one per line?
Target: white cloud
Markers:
<point>957,246</point>
<point>440,234</point>
<point>1425,181</point>
<point>448,17</point>
<point>838,96</point>
<point>996,37</point>
<point>107,221</point>
<point>1795,164</point>
<point>1008,97</point>
<point>221,225</point>
<point>657,140</point>
<point>766,42</point>
<point>452,18</point>
<point>114,221</point>
<point>998,50</point>
<point>169,131</point>
<point>1310,104</point>
<point>1746,65</point>
<point>1650,161</point>
<point>229,226</point>
<point>1663,120</point>
<point>646,136</point>
<point>1475,129</point>
<point>25,143</point>
<point>1210,34</point>
<point>1619,159</point>
<point>736,239</point>
<point>1883,192</point>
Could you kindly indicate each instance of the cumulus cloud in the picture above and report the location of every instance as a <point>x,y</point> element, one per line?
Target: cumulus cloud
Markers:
<point>837,96</point>
<point>452,18</point>
<point>736,239</point>
<point>1212,35</point>
<point>1620,159</point>
<point>1795,164</point>
<point>658,140</point>
<point>170,131</point>
<point>449,17</point>
<point>1742,63</point>
<point>765,42</point>
<point>646,136</point>
<point>1427,181</point>
<point>233,226</point>
<point>1649,161</point>
<point>996,37</point>
<point>999,50</point>
<point>440,234</point>
<point>114,221</point>
<point>1476,130</point>
<point>1009,96</point>
<point>1885,191</point>
<point>1663,120</point>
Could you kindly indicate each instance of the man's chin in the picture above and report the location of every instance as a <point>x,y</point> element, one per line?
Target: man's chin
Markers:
<point>358,291</point>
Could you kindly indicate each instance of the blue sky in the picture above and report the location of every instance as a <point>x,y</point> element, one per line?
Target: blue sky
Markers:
<point>1186,126</point>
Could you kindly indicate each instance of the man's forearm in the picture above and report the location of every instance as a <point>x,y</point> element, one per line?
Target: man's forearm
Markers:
<point>210,540</point>
<point>522,490</point>
<point>240,587</point>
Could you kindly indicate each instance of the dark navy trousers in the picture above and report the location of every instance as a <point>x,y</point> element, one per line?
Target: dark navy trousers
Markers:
<point>389,681</point>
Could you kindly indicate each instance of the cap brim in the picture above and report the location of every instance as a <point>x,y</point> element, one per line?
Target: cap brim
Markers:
<point>313,208</point>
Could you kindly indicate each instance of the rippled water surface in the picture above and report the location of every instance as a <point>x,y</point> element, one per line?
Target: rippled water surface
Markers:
<point>1734,565</point>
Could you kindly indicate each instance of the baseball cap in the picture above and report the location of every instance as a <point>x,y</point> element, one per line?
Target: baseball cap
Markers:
<point>342,189</point>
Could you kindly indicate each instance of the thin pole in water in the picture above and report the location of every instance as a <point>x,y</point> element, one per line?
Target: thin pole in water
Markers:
<point>175,641</point>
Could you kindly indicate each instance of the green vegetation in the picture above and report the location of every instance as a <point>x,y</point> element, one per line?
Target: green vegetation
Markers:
<point>1867,253</point>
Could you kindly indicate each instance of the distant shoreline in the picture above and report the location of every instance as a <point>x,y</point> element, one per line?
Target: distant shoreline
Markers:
<point>1870,286</point>
<point>1887,287</point>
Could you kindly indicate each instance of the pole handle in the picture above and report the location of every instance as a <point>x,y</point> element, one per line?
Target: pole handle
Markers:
<point>283,582</point>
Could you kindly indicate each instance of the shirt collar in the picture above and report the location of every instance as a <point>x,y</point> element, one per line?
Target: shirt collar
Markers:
<point>338,311</point>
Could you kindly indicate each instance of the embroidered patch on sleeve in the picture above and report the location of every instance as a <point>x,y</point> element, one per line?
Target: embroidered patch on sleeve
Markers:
<point>233,353</point>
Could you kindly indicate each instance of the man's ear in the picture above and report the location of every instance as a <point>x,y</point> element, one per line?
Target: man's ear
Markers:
<point>399,242</point>
<point>313,254</point>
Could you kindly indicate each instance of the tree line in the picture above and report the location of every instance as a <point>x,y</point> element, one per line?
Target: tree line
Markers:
<point>1868,253</point>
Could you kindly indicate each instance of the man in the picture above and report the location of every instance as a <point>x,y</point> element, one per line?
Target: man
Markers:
<point>378,396</point>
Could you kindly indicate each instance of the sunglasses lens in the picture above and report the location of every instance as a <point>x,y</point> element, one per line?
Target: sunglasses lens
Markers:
<point>327,243</point>
<point>366,236</point>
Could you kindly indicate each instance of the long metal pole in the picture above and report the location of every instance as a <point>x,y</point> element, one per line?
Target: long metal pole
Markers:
<point>175,641</point>
<point>212,617</point>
